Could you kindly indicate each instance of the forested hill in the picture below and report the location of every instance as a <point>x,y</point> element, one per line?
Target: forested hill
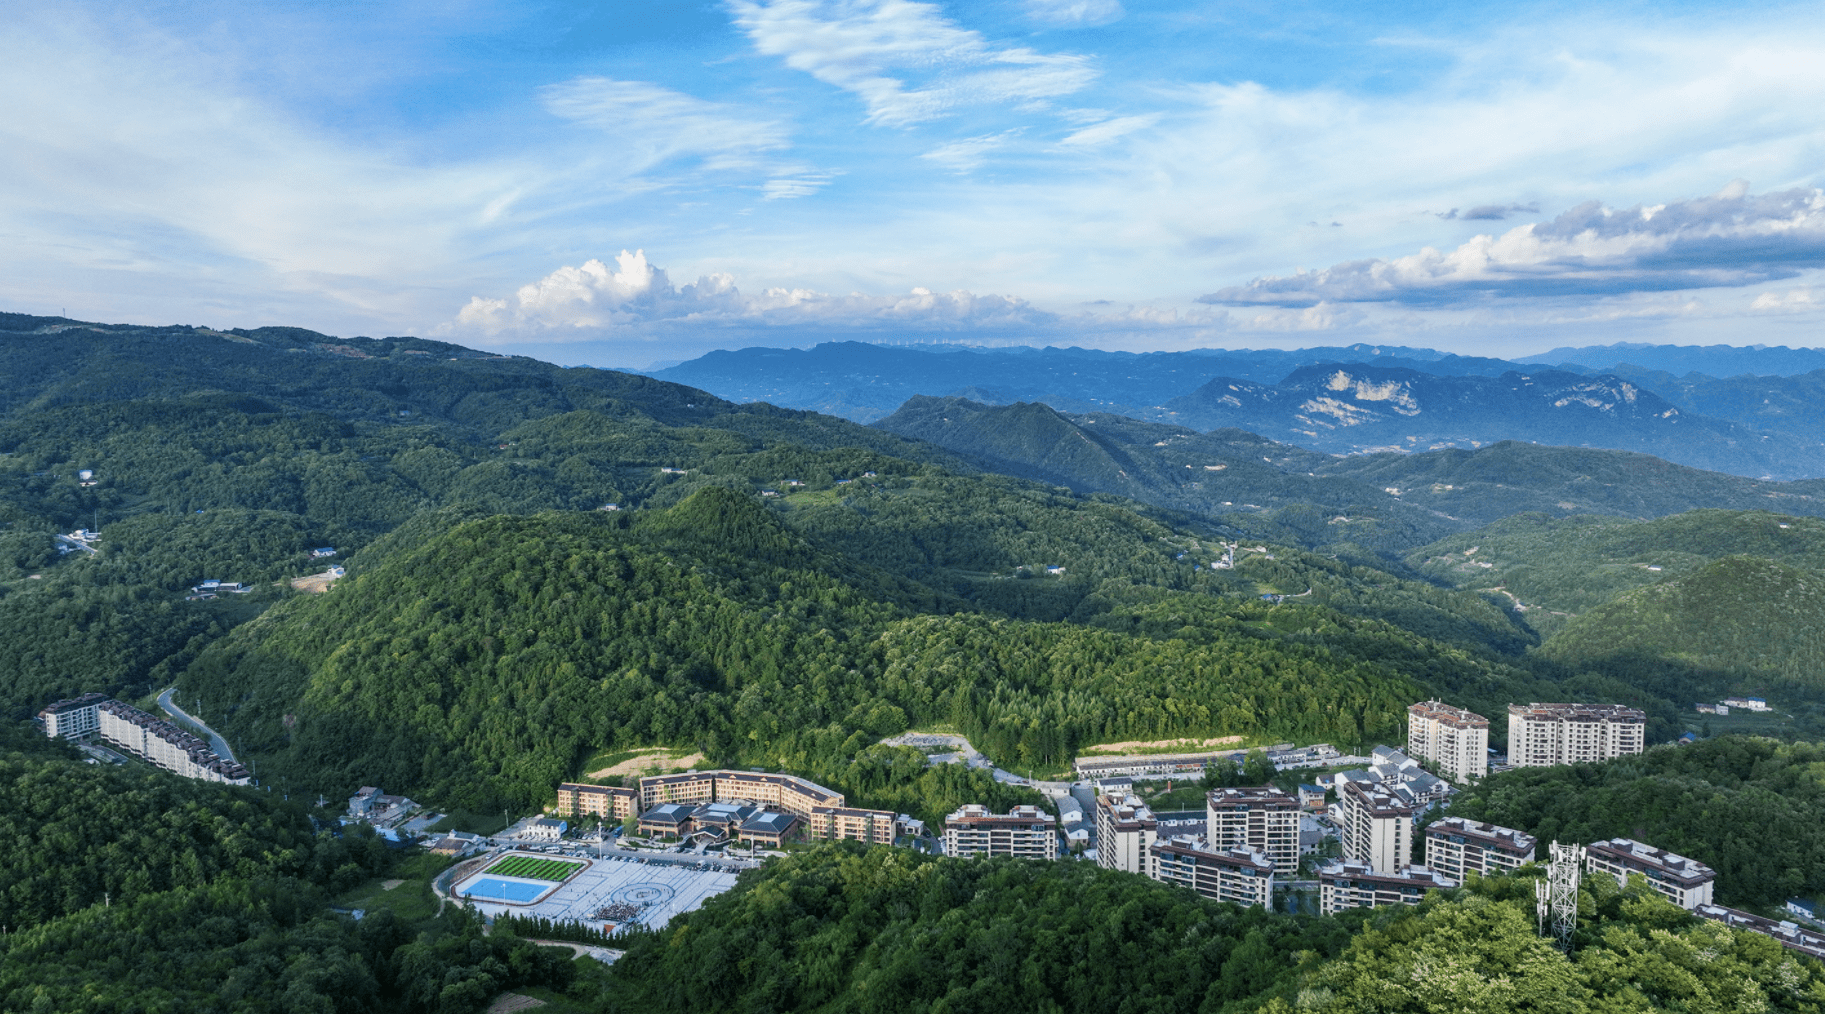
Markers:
<point>1390,502</point>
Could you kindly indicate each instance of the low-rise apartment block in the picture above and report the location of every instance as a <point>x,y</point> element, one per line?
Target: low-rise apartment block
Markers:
<point>1025,831</point>
<point>1343,884</point>
<point>1454,740</point>
<point>166,745</point>
<point>875,827</point>
<point>1376,828</point>
<point>1264,819</point>
<point>74,718</point>
<point>1125,832</point>
<point>606,802</point>
<point>1542,735</point>
<point>1456,847</point>
<point>1788,934</point>
<point>1241,875</point>
<point>1685,882</point>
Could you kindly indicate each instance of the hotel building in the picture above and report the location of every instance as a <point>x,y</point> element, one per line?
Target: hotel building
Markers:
<point>607,802</point>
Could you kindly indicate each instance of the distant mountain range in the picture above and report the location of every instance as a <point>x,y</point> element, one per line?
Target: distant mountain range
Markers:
<point>1387,502</point>
<point>1349,399</point>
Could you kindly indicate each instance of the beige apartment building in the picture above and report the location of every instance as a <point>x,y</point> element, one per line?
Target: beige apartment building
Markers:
<point>1264,819</point>
<point>1454,740</point>
<point>875,827</point>
<point>1343,884</point>
<point>606,802</point>
<point>165,745</point>
<point>788,793</point>
<point>1376,828</point>
<point>1125,833</point>
<point>74,718</point>
<point>1025,831</point>
<point>1456,847</point>
<point>1242,875</point>
<point>1685,882</point>
<point>1542,735</point>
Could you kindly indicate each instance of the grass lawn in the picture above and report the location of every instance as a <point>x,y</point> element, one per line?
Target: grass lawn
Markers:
<point>412,901</point>
<point>555,870</point>
<point>476,823</point>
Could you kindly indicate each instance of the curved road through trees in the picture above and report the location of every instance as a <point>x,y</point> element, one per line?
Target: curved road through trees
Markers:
<point>216,742</point>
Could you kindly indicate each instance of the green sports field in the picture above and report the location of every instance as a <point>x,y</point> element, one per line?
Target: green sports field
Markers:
<point>534,868</point>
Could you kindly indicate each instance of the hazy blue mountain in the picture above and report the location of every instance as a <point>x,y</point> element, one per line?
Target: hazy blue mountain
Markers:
<point>866,382</point>
<point>1778,404</point>
<point>1369,408</point>
<point>1276,490</point>
<point>1714,360</point>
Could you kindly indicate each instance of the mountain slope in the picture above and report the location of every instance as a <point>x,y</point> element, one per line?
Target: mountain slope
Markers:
<point>1357,409</point>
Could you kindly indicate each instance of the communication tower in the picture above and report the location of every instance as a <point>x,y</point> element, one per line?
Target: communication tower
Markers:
<point>1556,897</point>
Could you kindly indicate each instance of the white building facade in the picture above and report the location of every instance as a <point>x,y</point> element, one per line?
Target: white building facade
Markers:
<point>1542,735</point>
<point>1264,819</point>
<point>1454,740</point>
<point>1125,833</point>
<point>1025,832</point>
<point>1685,882</point>
<point>1241,875</point>
<point>1376,828</point>
<point>1456,847</point>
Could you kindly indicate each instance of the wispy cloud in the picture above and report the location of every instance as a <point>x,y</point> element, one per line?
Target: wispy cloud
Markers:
<point>968,154</point>
<point>651,124</point>
<point>1728,239</point>
<point>906,61</point>
<point>1074,13</point>
<point>1098,134</point>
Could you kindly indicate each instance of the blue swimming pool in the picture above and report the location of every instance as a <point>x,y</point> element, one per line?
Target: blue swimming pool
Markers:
<point>490,889</point>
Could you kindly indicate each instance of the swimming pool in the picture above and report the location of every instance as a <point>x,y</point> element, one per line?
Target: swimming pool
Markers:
<point>490,889</point>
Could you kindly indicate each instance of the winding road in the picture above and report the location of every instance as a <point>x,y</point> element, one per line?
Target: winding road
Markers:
<point>216,742</point>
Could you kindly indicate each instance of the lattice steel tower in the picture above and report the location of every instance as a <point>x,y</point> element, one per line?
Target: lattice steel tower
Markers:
<point>1556,897</point>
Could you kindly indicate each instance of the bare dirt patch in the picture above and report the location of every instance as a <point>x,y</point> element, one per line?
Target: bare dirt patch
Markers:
<point>314,584</point>
<point>1164,744</point>
<point>507,1003</point>
<point>664,760</point>
<point>388,885</point>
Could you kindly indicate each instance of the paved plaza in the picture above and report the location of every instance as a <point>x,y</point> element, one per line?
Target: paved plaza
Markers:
<point>621,890</point>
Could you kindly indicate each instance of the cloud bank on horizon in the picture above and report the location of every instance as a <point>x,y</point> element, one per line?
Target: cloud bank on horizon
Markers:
<point>1491,180</point>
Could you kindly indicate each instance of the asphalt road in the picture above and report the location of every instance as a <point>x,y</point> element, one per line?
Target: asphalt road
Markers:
<point>216,743</point>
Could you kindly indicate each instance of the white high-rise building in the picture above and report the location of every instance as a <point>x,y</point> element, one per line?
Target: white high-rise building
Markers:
<point>1125,833</point>
<point>1242,875</point>
<point>1024,831</point>
<point>1376,828</point>
<point>1454,740</point>
<point>1264,819</point>
<point>1542,735</point>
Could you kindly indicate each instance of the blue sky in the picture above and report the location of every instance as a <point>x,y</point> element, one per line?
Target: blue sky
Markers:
<point>625,183</point>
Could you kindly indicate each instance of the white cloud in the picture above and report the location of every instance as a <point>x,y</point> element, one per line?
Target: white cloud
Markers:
<point>969,153</point>
<point>1098,134</point>
<point>873,48</point>
<point>634,294</point>
<point>1792,299</point>
<point>800,184</point>
<point>1075,13</point>
<point>1727,239</point>
<point>650,124</point>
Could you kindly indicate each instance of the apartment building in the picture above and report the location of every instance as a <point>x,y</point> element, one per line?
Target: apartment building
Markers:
<point>1376,828</point>
<point>74,718</point>
<point>875,827</point>
<point>1454,740</point>
<point>605,802</point>
<point>165,745</point>
<point>1242,875</point>
<point>1788,934</point>
<point>1541,735</point>
<point>1343,884</point>
<point>1456,846</point>
<point>788,793</point>
<point>1025,831</point>
<point>1264,819</point>
<point>1125,832</point>
<point>1685,882</point>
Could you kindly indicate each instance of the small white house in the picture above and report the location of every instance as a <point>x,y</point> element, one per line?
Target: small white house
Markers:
<point>545,829</point>
<point>323,552</point>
